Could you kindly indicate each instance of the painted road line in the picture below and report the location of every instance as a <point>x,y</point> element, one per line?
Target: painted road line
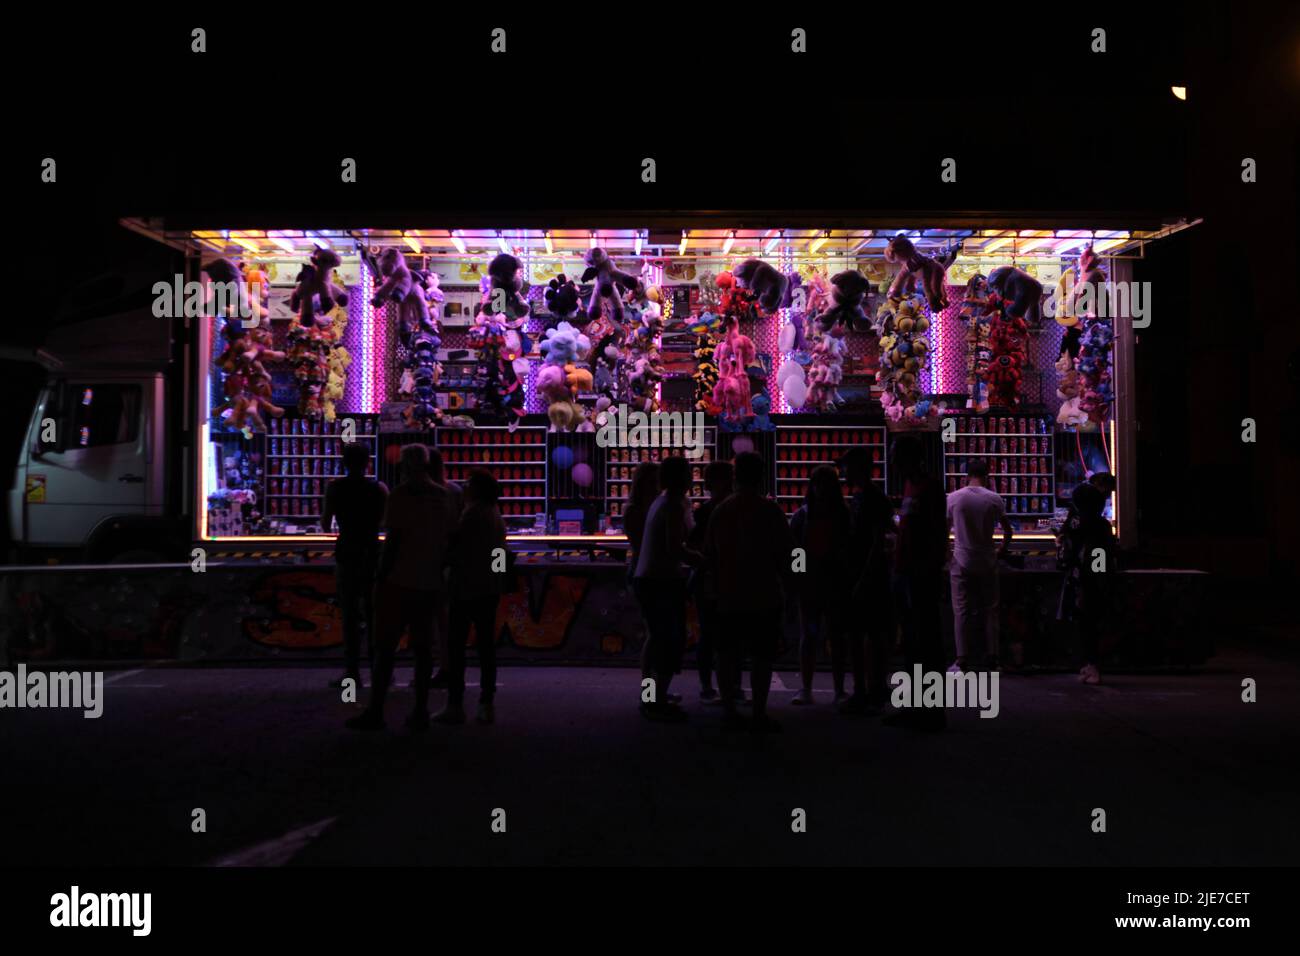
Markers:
<point>117,677</point>
<point>279,851</point>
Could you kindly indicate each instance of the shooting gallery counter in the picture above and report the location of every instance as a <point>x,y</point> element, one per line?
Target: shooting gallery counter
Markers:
<point>571,604</point>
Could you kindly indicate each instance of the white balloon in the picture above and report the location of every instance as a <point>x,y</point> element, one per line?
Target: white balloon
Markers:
<point>789,370</point>
<point>785,341</point>
<point>795,392</point>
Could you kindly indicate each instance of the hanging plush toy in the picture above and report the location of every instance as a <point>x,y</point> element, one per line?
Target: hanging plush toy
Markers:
<point>705,375</point>
<point>611,284</point>
<point>1081,298</point>
<point>733,355</point>
<point>1067,389</point>
<point>818,296</point>
<point>904,354</point>
<point>316,296</point>
<point>1064,299</point>
<point>562,299</point>
<point>1008,334</point>
<point>391,267</point>
<point>420,343</point>
<point>1097,336</point>
<point>643,373</point>
<point>913,266</point>
<point>710,295</point>
<point>259,292</point>
<point>973,316</point>
<point>827,369</point>
<point>560,381</point>
<point>762,406</point>
<point>247,384</point>
<point>317,331</point>
<point>564,345</point>
<point>225,271</point>
<point>1016,293</point>
<point>503,391</point>
<point>1091,287</point>
<point>767,284</point>
<point>504,297</point>
<point>849,290</point>
<point>795,296</point>
<point>645,323</point>
<point>736,302</point>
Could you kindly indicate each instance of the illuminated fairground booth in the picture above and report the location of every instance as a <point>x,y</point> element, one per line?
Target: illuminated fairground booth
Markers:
<point>561,359</point>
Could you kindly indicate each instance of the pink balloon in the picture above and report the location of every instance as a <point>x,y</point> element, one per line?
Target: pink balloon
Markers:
<point>583,475</point>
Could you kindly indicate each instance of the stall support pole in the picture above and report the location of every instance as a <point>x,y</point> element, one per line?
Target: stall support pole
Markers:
<point>1124,414</point>
<point>202,353</point>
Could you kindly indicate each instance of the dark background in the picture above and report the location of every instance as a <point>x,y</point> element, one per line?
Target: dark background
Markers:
<point>1042,130</point>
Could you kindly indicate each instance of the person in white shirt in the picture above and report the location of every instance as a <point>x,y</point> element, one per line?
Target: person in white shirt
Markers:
<point>974,512</point>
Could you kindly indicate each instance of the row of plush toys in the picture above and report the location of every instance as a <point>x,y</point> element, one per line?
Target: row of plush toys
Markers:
<point>246,383</point>
<point>1085,382</point>
<point>754,290</point>
<point>998,312</point>
<point>904,355</point>
<point>314,352</point>
<point>499,337</point>
<point>614,333</point>
<point>418,300</point>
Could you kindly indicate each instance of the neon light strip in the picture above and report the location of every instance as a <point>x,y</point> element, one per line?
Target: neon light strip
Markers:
<point>936,352</point>
<point>368,370</point>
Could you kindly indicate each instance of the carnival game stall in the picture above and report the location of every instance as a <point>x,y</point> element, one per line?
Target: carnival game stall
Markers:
<point>561,359</point>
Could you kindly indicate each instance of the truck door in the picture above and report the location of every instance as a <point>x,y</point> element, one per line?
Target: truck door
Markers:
<point>96,468</point>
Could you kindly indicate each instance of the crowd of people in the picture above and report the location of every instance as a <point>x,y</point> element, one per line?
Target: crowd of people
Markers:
<point>857,574</point>
<point>435,577</point>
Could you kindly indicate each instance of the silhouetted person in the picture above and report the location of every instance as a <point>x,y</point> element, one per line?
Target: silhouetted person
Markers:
<point>919,558</point>
<point>455,501</point>
<point>645,489</point>
<point>821,527</point>
<point>660,582</point>
<point>870,613</point>
<point>411,587</point>
<point>973,513</point>
<point>719,478</point>
<point>750,549</point>
<point>1086,540</point>
<point>357,503</point>
<point>478,579</point>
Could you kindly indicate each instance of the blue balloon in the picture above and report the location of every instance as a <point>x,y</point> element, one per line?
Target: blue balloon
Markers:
<point>563,457</point>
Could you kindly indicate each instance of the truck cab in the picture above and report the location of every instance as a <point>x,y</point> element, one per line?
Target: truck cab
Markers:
<point>91,476</point>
